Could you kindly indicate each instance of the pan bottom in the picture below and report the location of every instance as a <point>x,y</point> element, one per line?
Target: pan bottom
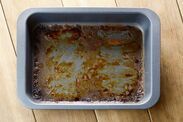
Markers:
<point>87,63</point>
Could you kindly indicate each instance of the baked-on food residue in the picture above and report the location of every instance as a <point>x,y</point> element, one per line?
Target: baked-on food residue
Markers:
<point>87,63</point>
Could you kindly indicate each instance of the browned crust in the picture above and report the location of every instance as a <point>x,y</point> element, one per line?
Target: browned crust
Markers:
<point>88,83</point>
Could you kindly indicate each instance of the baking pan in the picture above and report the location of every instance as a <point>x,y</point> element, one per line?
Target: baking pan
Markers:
<point>40,21</point>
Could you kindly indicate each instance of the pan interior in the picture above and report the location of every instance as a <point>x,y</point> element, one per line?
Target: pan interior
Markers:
<point>82,62</point>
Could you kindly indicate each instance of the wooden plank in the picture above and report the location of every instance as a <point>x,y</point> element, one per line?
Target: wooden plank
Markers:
<point>10,108</point>
<point>12,10</point>
<point>89,3</point>
<point>122,115</point>
<point>110,115</point>
<point>170,106</point>
<point>65,116</point>
<point>180,5</point>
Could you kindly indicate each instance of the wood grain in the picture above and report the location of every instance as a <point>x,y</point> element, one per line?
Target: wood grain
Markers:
<point>170,107</point>
<point>89,3</point>
<point>65,116</point>
<point>110,115</point>
<point>180,5</point>
<point>122,116</point>
<point>12,10</point>
<point>10,108</point>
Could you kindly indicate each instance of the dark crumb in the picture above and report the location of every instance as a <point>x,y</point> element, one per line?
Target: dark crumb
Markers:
<point>105,90</point>
<point>37,93</point>
<point>76,99</point>
<point>136,61</point>
<point>128,75</point>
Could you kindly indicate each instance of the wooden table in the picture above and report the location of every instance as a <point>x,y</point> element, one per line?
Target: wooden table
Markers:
<point>168,109</point>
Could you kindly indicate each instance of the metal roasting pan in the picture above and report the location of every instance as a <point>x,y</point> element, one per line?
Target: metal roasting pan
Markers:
<point>144,19</point>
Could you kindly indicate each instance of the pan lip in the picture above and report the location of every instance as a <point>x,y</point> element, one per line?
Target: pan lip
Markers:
<point>155,61</point>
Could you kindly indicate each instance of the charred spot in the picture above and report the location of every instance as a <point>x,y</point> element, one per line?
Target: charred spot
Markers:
<point>35,76</point>
<point>128,75</point>
<point>35,84</point>
<point>49,50</point>
<point>76,99</point>
<point>105,90</point>
<point>76,32</point>
<point>53,34</point>
<point>137,61</point>
<point>36,70</point>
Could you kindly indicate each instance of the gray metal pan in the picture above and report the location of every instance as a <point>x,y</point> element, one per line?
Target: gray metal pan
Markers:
<point>144,19</point>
